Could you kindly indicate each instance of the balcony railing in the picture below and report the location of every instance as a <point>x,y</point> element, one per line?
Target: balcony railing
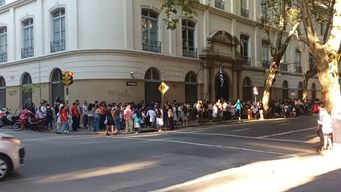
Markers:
<point>244,12</point>
<point>27,52</point>
<point>153,46</point>
<point>58,45</point>
<point>283,67</point>
<point>266,64</point>
<point>246,60</point>
<point>3,57</point>
<point>298,69</point>
<point>190,52</point>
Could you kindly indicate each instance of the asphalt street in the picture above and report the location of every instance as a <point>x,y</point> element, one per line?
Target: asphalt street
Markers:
<point>270,155</point>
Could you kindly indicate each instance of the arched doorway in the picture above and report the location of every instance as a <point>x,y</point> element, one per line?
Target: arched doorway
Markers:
<point>2,92</point>
<point>26,89</point>
<point>191,87</point>
<point>222,87</point>
<point>247,94</point>
<point>57,87</point>
<point>285,90</point>
<point>152,82</point>
<point>300,90</point>
<point>313,91</point>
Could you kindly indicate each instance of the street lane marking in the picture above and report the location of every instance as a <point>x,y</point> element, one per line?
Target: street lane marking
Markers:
<point>244,137</point>
<point>289,132</point>
<point>209,145</point>
<point>238,130</point>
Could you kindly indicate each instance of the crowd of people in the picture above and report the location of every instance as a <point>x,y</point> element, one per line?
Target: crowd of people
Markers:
<point>113,118</point>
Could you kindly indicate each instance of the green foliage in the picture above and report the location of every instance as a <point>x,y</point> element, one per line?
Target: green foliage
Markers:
<point>171,8</point>
<point>279,13</point>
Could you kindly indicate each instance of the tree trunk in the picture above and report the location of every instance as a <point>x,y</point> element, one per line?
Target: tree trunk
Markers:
<point>305,89</point>
<point>330,87</point>
<point>268,85</point>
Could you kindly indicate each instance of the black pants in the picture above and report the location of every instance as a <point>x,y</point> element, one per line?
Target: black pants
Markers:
<point>170,123</point>
<point>75,123</point>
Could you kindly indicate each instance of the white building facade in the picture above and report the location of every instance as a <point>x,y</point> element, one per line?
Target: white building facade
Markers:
<point>120,51</point>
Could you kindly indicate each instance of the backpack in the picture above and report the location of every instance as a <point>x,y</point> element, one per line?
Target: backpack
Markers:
<point>49,113</point>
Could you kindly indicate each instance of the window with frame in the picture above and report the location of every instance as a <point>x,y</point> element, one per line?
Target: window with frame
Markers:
<point>58,30</point>
<point>243,9</point>
<point>265,54</point>
<point>191,87</point>
<point>2,92</point>
<point>244,48</point>
<point>3,44</point>
<point>219,4</point>
<point>188,32</point>
<point>2,2</point>
<point>298,61</point>
<point>26,89</point>
<point>150,30</point>
<point>247,89</point>
<point>57,86</point>
<point>285,90</point>
<point>28,47</point>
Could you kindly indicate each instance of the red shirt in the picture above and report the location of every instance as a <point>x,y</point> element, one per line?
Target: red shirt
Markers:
<point>63,116</point>
<point>74,111</point>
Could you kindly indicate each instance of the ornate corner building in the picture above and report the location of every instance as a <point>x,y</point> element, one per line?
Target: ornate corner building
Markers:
<point>120,51</point>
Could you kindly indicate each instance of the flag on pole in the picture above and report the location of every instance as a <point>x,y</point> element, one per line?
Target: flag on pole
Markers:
<point>221,76</point>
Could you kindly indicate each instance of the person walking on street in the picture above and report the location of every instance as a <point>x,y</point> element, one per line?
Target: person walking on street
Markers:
<point>238,106</point>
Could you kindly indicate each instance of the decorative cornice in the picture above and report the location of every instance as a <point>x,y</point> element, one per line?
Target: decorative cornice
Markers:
<point>14,4</point>
<point>134,53</point>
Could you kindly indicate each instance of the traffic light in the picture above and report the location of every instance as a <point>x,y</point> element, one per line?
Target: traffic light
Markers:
<point>67,78</point>
<point>70,75</point>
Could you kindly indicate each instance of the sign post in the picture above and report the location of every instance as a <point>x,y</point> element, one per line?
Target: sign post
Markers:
<point>163,88</point>
<point>255,93</point>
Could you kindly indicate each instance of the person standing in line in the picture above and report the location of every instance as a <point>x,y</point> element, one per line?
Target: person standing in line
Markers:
<point>117,119</point>
<point>128,116</point>
<point>109,127</point>
<point>97,119</point>
<point>91,116</point>
<point>64,118</point>
<point>75,117</point>
<point>85,113</point>
<point>170,115</point>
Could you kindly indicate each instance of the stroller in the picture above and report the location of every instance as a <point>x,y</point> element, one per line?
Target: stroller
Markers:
<point>28,120</point>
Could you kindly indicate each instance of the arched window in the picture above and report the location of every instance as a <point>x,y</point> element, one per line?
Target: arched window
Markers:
<point>191,87</point>
<point>300,90</point>
<point>285,90</point>
<point>26,89</point>
<point>313,91</point>
<point>152,82</point>
<point>57,86</point>
<point>247,89</point>
<point>150,31</point>
<point>58,30</point>
<point>2,92</point>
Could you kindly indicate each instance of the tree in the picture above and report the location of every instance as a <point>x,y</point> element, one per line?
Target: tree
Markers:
<point>278,17</point>
<point>326,52</point>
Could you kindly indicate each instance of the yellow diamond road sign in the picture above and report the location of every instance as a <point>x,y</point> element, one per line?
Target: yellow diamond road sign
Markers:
<point>163,87</point>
